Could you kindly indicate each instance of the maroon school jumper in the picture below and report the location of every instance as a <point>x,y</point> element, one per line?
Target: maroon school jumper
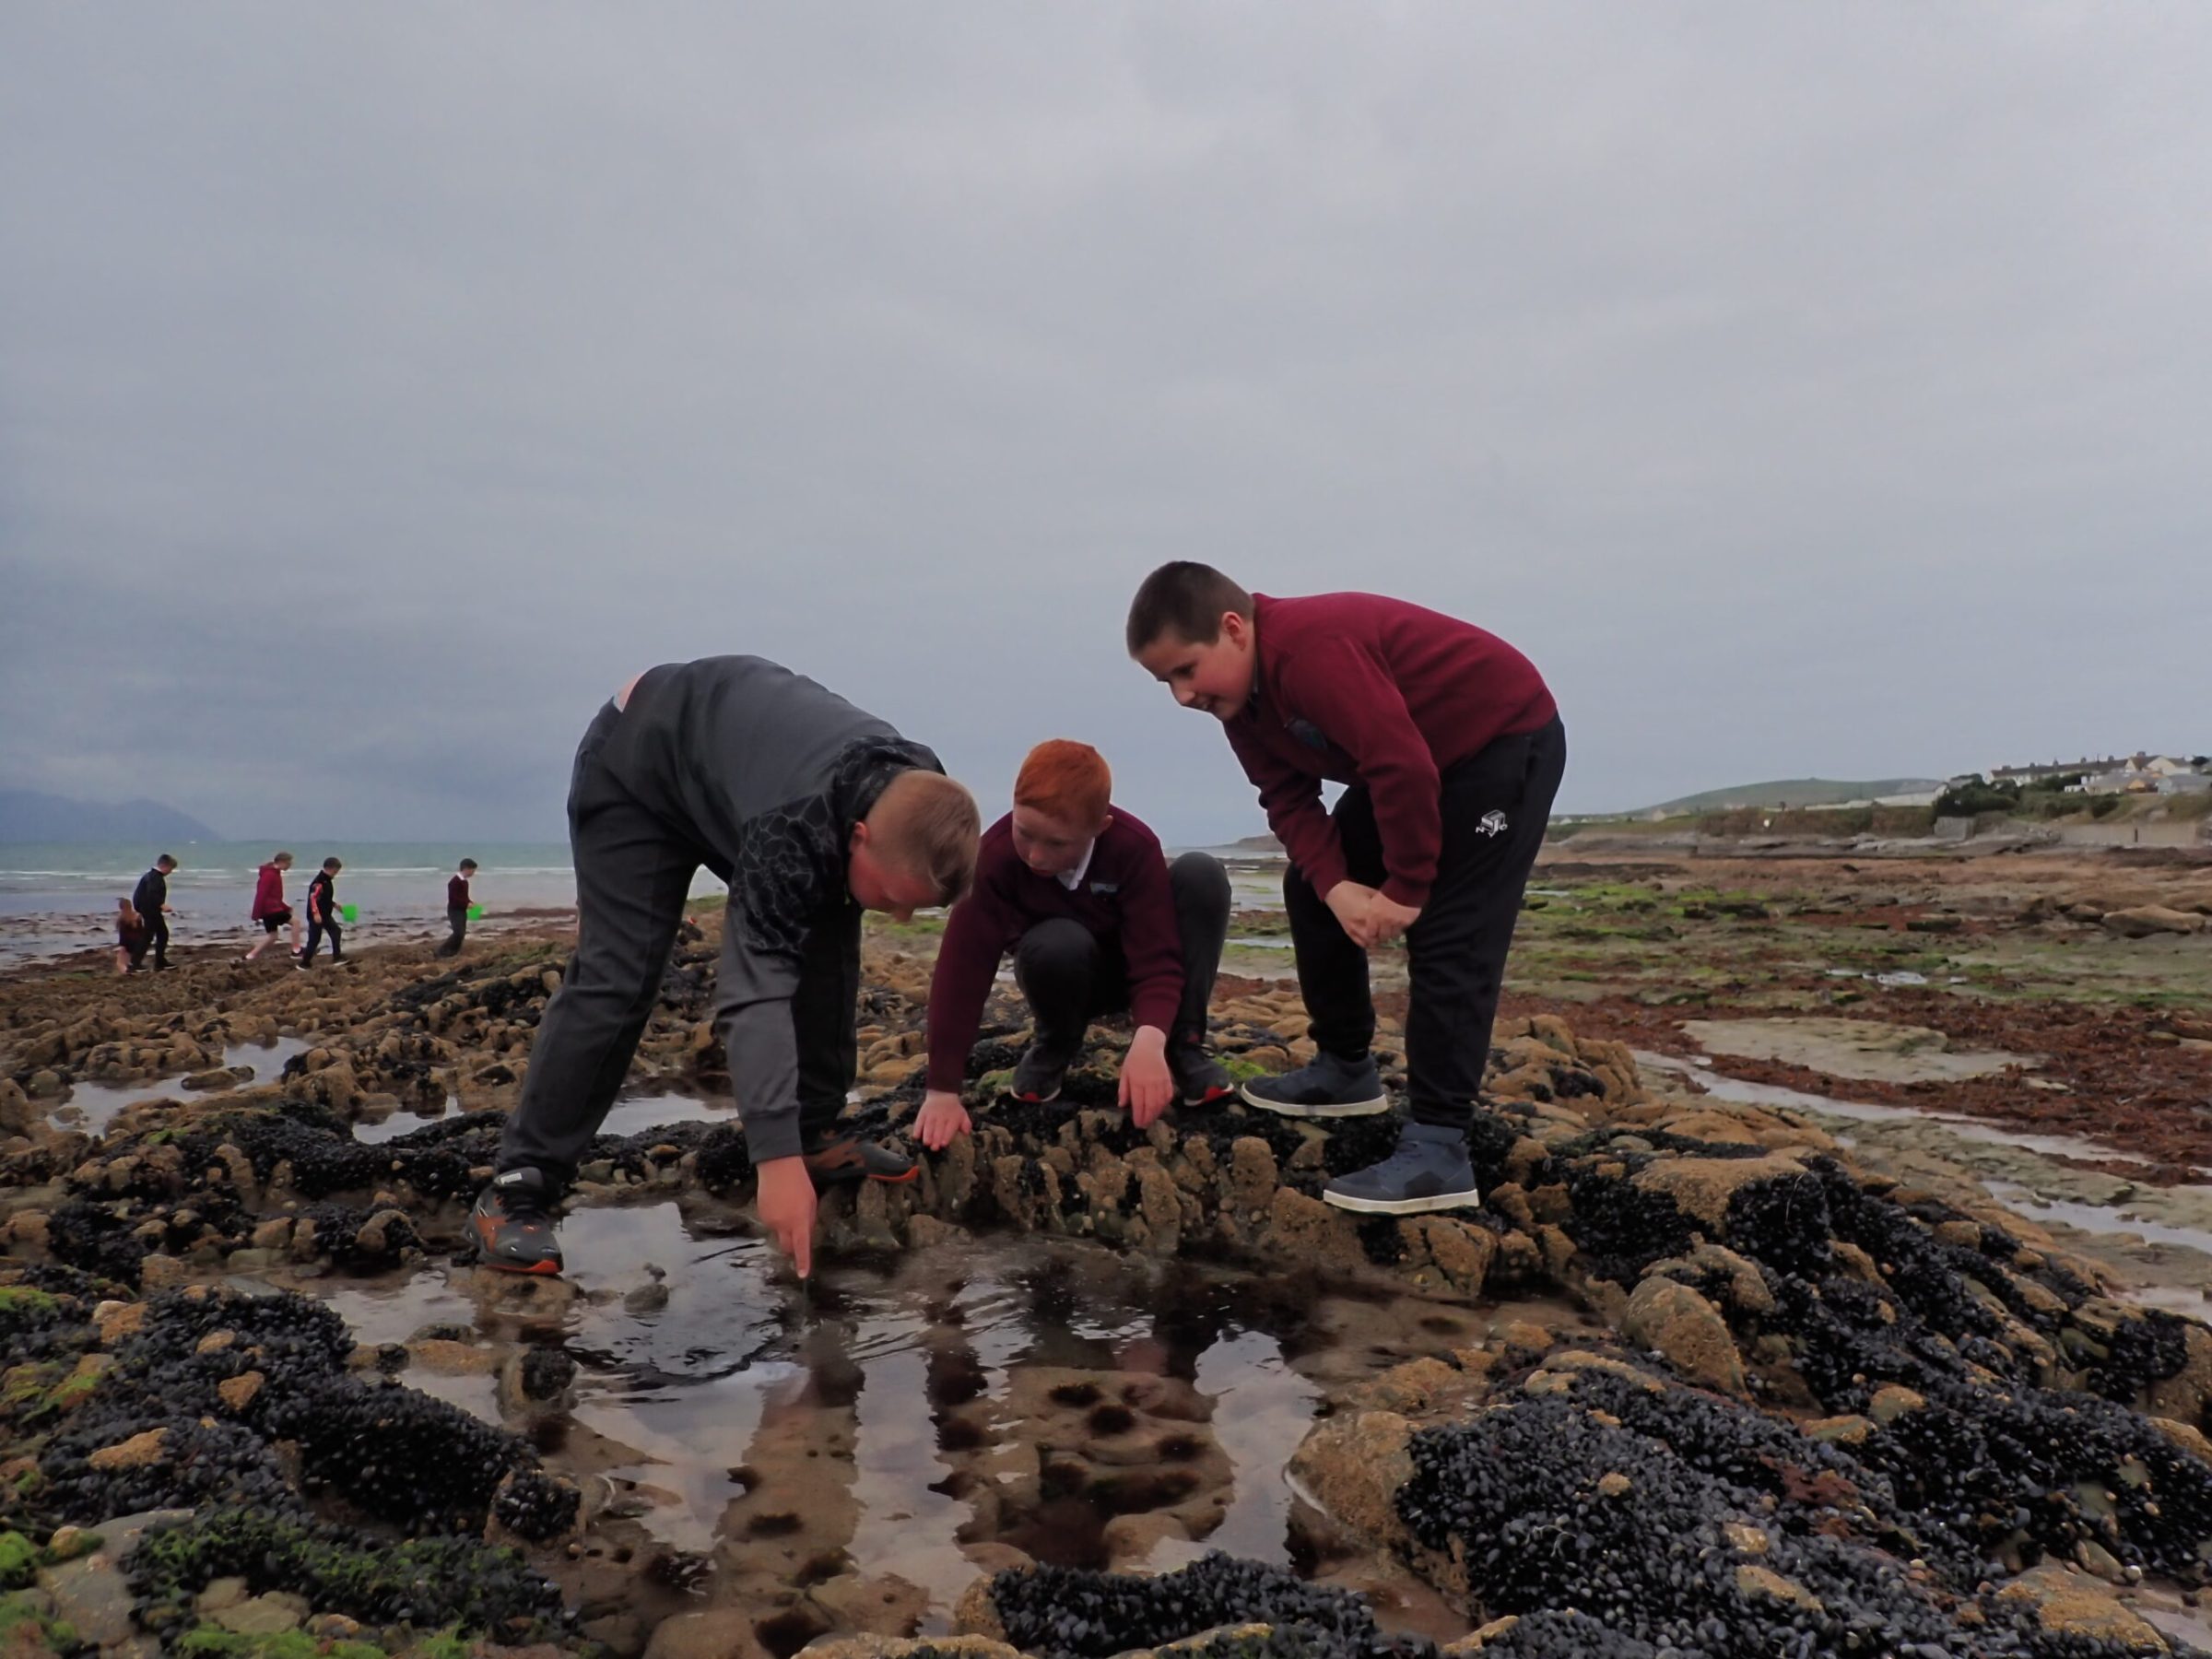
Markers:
<point>1362,689</point>
<point>1124,895</point>
<point>268,892</point>
<point>456,892</point>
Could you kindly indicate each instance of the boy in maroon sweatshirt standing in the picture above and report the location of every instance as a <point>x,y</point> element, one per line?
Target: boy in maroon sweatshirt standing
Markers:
<point>1452,749</point>
<point>1098,921</point>
<point>456,907</point>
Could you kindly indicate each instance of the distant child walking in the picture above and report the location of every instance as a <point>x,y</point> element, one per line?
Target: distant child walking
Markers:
<point>151,902</point>
<point>1452,749</point>
<point>132,936</point>
<point>323,915</point>
<point>456,907</point>
<point>269,907</point>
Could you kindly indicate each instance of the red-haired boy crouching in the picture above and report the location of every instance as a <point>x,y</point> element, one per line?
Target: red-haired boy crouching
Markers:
<point>1098,921</point>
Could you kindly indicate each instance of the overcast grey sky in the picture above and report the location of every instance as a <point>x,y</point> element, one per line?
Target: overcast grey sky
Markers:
<point>1820,388</point>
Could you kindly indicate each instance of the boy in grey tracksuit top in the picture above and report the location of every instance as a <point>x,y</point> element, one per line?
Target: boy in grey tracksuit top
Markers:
<point>771,782</point>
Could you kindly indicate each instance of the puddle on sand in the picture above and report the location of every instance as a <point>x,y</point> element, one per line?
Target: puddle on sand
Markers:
<point>2101,1218</point>
<point>2162,1605</point>
<point>627,1117</point>
<point>1868,1112</point>
<point>403,1120</point>
<point>906,1406</point>
<point>93,1106</point>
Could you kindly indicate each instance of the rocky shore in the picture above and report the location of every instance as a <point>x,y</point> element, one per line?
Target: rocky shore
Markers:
<point>1694,1379</point>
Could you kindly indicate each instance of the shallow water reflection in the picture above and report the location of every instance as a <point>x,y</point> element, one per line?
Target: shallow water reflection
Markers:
<point>93,1106</point>
<point>905,1406</point>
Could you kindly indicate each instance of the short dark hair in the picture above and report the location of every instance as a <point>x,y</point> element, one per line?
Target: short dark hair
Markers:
<point>332,864</point>
<point>167,859</point>
<point>1187,600</point>
<point>468,863</point>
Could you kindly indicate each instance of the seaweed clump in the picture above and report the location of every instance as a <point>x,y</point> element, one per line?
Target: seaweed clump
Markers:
<point>1620,1521</point>
<point>427,1583</point>
<point>198,1396</point>
<point>1076,1613</point>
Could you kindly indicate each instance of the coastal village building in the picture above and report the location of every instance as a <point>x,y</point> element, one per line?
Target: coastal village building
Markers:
<point>2140,773</point>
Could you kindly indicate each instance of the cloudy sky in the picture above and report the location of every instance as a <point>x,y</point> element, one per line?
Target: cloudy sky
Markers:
<point>1818,388</point>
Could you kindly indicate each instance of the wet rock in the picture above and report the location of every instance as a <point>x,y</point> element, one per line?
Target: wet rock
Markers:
<point>1676,1321</point>
<point>135,1453</point>
<point>228,1077</point>
<point>709,1633</point>
<point>93,1598</point>
<point>1754,1582</point>
<point>2140,922</point>
<point>885,1604</point>
<point>889,1647</point>
<point>1354,1467</point>
<point>1894,1402</point>
<point>1703,1187</point>
<point>221,1594</point>
<point>1306,1230</point>
<point>1084,1615</point>
<point>2064,1603</point>
<point>266,1615</point>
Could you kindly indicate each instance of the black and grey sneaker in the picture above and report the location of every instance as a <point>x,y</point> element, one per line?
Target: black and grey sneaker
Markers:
<point>513,1222</point>
<point>836,1159</point>
<point>1040,1070</point>
<point>1428,1172</point>
<point>1325,1087</point>
<point>1200,1079</point>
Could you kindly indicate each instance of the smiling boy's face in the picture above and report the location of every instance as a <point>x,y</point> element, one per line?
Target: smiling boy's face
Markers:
<point>1214,679</point>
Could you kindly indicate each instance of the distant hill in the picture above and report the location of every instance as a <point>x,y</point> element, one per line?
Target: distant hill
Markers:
<point>28,816</point>
<point>1263,842</point>
<point>1791,792</point>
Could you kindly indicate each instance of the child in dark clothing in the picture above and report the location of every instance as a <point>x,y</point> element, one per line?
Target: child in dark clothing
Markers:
<point>1098,921</point>
<point>132,937</point>
<point>456,907</point>
<point>1452,749</point>
<point>323,915</point>
<point>151,902</point>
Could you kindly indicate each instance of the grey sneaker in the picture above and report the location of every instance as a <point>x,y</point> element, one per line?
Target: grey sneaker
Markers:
<point>1040,1070</point>
<point>1200,1079</point>
<point>1428,1172</point>
<point>1325,1087</point>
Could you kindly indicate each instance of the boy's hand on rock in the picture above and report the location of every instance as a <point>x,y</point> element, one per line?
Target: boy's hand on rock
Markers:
<point>786,1205</point>
<point>1349,902</point>
<point>1146,1086</point>
<point>942,1119</point>
<point>1386,919</point>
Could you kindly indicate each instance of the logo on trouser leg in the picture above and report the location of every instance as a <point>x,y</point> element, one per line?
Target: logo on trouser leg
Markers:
<point>1491,823</point>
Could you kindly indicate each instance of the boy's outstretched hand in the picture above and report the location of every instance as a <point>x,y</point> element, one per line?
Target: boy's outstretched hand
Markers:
<point>942,1119</point>
<point>786,1205</point>
<point>1146,1085</point>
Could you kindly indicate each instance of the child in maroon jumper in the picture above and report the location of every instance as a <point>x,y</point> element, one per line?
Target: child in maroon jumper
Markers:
<point>1452,749</point>
<point>269,908</point>
<point>1098,921</point>
<point>456,907</point>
